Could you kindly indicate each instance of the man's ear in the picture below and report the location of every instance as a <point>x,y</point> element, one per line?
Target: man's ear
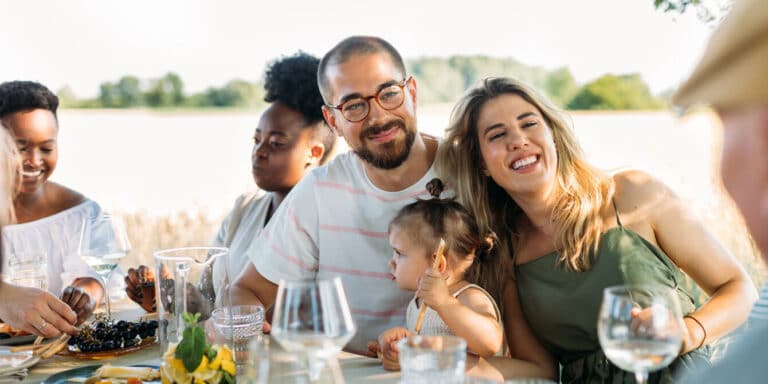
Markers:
<point>330,118</point>
<point>410,87</point>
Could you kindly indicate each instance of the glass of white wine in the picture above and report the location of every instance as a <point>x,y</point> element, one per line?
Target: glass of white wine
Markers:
<point>312,317</point>
<point>640,328</point>
<point>103,242</point>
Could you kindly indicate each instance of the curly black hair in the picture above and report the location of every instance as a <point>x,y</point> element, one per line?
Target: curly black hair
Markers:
<point>292,80</point>
<point>16,96</point>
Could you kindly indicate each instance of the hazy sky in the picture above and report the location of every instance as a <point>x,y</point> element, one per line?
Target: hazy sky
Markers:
<point>83,43</point>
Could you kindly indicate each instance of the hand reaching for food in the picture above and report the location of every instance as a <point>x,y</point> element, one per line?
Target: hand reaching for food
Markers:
<point>80,301</point>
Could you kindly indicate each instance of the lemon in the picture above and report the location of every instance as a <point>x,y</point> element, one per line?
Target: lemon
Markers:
<point>202,366</point>
<point>229,367</point>
<point>216,362</point>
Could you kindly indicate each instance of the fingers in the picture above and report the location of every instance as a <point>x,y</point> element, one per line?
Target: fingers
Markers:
<point>146,275</point>
<point>55,317</point>
<point>132,278</point>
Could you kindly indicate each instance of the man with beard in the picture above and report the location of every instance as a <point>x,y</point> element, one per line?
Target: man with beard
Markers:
<point>334,222</point>
<point>732,77</point>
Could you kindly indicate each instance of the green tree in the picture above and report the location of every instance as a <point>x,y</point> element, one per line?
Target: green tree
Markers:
<point>126,93</point>
<point>236,93</point>
<point>706,10</point>
<point>438,80</point>
<point>611,92</point>
<point>67,98</point>
<point>560,86</point>
<point>166,91</point>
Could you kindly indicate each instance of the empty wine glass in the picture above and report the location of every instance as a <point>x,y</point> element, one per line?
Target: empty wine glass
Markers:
<point>312,317</point>
<point>640,327</point>
<point>103,242</point>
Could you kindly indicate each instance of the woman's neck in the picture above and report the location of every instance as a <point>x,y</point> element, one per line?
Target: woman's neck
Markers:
<point>538,208</point>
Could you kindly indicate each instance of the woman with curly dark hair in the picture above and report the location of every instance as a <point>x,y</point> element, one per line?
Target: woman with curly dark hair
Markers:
<point>290,139</point>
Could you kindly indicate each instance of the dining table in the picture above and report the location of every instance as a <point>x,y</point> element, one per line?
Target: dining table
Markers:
<point>354,368</point>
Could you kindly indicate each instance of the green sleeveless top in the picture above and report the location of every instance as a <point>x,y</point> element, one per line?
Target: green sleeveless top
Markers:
<point>562,306</point>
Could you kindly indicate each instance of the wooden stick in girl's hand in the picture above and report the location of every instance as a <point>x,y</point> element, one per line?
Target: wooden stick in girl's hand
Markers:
<point>439,259</point>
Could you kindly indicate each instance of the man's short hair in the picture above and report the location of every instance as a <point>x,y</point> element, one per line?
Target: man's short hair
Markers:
<point>351,46</point>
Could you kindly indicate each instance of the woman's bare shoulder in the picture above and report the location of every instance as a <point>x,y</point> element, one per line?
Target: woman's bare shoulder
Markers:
<point>64,197</point>
<point>639,195</point>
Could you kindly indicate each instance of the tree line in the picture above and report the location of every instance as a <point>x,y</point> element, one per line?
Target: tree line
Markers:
<point>440,80</point>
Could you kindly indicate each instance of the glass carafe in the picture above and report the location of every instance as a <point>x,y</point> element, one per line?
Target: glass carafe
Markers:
<point>188,288</point>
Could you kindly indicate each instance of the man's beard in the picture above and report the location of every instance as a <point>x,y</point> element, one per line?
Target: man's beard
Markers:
<point>394,153</point>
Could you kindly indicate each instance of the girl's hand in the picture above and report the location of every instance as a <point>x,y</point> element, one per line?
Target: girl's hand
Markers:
<point>433,291</point>
<point>387,347</point>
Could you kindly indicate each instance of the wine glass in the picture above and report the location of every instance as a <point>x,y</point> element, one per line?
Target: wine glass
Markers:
<point>640,328</point>
<point>312,317</point>
<point>103,242</point>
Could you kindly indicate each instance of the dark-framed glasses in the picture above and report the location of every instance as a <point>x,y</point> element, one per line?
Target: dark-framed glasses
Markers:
<point>357,108</point>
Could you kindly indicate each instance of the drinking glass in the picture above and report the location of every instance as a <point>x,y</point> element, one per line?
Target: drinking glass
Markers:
<point>312,317</point>
<point>103,242</point>
<point>432,359</point>
<point>238,325</point>
<point>269,363</point>
<point>29,269</point>
<point>640,327</point>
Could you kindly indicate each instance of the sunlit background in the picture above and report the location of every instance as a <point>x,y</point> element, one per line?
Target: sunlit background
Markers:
<point>175,164</point>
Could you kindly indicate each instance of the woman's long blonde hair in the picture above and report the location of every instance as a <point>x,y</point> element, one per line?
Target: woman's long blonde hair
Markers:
<point>581,190</point>
<point>9,166</point>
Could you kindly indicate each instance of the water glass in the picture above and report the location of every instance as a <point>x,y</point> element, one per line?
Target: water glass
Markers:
<point>270,363</point>
<point>432,359</point>
<point>237,325</point>
<point>640,327</point>
<point>29,270</point>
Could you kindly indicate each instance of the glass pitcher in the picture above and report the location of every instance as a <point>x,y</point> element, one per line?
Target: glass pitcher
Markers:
<point>191,284</point>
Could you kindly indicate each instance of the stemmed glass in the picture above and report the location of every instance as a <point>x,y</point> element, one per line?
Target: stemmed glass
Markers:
<point>103,242</point>
<point>640,328</point>
<point>312,317</point>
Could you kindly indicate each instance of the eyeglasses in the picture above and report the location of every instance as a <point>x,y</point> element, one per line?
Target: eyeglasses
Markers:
<point>356,109</point>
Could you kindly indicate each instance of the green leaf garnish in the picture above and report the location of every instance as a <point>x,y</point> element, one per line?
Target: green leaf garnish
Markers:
<point>193,345</point>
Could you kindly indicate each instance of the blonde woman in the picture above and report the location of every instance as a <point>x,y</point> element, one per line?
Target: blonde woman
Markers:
<point>22,307</point>
<point>570,230</point>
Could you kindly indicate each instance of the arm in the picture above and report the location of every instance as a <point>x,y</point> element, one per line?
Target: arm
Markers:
<point>691,247</point>
<point>285,249</point>
<point>470,316</point>
<point>253,288</point>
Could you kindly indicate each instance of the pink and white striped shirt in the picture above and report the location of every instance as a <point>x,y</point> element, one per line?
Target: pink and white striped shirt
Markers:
<point>334,223</point>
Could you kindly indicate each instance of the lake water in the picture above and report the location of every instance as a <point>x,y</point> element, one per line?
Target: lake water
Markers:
<point>162,163</point>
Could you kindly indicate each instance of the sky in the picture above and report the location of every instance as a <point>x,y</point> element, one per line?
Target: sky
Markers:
<point>83,43</point>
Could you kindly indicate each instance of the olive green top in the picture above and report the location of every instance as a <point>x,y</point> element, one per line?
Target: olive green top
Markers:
<point>562,306</point>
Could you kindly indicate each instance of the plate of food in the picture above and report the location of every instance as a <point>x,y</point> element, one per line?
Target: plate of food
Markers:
<point>104,339</point>
<point>14,336</point>
<point>15,361</point>
<point>102,374</point>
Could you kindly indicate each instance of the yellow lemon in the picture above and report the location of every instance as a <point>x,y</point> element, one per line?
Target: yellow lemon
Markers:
<point>203,365</point>
<point>226,353</point>
<point>216,362</point>
<point>229,367</point>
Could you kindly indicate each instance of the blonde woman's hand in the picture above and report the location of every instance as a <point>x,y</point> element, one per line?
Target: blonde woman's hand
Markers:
<point>36,311</point>
<point>433,290</point>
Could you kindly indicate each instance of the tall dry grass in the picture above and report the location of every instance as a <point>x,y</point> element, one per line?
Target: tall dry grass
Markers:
<point>149,234</point>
